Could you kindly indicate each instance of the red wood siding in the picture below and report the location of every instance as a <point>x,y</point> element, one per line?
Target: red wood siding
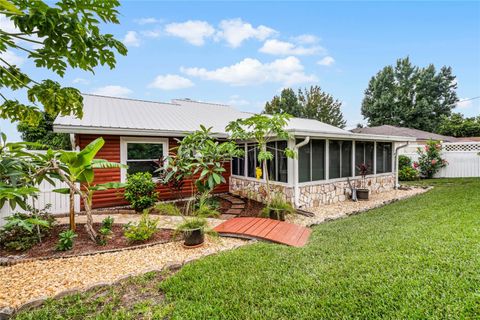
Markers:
<point>111,152</point>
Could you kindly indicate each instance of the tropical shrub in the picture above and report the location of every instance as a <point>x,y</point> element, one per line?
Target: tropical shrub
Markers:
<point>23,230</point>
<point>168,209</point>
<point>430,160</point>
<point>279,206</point>
<point>140,191</point>
<point>65,241</point>
<point>407,174</point>
<point>404,161</point>
<point>107,225</point>
<point>143,230</point>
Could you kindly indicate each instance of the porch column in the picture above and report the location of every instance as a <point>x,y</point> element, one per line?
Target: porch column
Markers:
<point>327,159</point>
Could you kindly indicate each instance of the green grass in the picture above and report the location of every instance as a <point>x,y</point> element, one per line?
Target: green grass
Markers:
<point>415,259</point>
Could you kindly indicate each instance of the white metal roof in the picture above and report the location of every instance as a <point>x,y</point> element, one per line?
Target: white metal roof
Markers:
<point>111,115</point>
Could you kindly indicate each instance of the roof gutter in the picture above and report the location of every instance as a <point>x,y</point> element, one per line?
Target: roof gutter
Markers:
<point>396,163</point>
<point>296,189</point>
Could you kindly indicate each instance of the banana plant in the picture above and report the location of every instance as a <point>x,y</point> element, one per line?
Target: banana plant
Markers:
<point>77,167</point>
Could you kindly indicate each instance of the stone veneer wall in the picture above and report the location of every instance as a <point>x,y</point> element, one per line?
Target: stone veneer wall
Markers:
<point>312,195</point>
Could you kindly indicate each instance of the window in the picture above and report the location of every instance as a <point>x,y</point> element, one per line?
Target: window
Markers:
<point>142,155</point>
<point>340,155</point>
<point>277,167</point>
<point>238,164</point>
<point>384,157</point>
<point>311,161</point>
<point>364,154</point>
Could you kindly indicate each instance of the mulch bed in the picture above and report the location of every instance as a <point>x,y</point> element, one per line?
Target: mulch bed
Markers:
<point>252,208</point>
<point>82,243</point>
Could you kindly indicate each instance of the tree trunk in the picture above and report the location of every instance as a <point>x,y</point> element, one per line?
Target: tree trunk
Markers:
<point>89,225</point>
<point>72,210</point>
<point>267,180</point>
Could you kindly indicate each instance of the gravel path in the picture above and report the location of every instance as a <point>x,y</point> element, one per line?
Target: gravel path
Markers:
<point>342,209</point>
<point>23,282</point>
<point>164,222</point>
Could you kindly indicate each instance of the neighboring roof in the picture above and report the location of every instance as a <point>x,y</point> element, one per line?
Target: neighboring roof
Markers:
<point>110,115</point>
<point>469,139</point>
<point>388,130</point>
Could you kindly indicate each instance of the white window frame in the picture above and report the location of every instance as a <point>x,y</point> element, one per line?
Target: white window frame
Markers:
<point>123,150</point>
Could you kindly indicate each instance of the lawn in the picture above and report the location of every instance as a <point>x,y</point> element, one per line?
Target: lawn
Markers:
<point>418,258</point>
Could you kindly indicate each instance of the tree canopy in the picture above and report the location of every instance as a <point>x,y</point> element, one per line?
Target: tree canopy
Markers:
<point>312,103</point>
<point>64,35</point>
<point>409,96</point>
<point>458,126</point>
<point>42,134</point>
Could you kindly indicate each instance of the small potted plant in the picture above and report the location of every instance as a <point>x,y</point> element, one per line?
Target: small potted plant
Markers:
<point>193,230</point>
<point>278,208</point>
<point>363,192</point>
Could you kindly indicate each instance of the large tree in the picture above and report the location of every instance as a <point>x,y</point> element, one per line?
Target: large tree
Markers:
<point>409,96</point>
<point>42,134</point>
<point>312,103</point>
<point>64,35</point>
<point>458,126</point>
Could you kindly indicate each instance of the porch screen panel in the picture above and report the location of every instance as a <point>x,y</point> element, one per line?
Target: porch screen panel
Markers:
<point>304,163</point>
<point>384,157</point>
<point>364,154</point>
<point>282,162</point>
<point>251,160</point>
<point>334,162</point>
<point>238,166</point>
<point>272,164</point>
<point>340,154</point>
<point>318,159</point>
<point>346,147</point>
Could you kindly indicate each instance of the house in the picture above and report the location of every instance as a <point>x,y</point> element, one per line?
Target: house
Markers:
<point>420,136</point>
<point>139,132</point>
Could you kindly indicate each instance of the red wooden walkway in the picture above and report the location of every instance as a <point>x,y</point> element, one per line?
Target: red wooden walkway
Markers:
<point>265,229</point>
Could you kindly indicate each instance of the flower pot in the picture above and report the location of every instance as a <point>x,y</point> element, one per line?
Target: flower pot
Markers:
<point>194,238</point>
<point>277,214</point>
<point>362,194</point>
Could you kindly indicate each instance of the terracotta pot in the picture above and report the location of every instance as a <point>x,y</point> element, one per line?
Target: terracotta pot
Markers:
<point>363,194</point>
<point>193,238</point>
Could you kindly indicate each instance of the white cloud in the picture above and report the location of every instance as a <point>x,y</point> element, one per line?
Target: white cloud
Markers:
<point>155,33</point>
<point>193,31</point>
<point>249,71</point>
<point>11,58</point>
<point>7,25</point>
<point>113,91</point>
<point>283,48</point>
<point>464,103</point>
<point>81,81</point>
<point>235,31</point>
<point>171,82</point>
<point>131,39</point>
<point>326,61</point>
<point>306,39</point>
<point>150,20</point>
<point>236,100</point>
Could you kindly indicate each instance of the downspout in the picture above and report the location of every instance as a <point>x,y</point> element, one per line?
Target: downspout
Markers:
<point>396,163</point>
<point>296,189</point>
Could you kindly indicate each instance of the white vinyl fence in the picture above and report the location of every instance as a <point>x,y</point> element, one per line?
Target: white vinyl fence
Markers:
<point>463,159</point>
<point>60,202</point>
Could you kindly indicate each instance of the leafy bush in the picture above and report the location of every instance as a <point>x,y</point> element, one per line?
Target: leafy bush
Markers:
<point>404,161</point>
<point>193,223</point>
<point>23,230</point>
<point>65,241</point>
<point>206,211</point>
<point>430,160</point>
<point>143,230</point>
<point>140,191</point>
<point>407,174</point>
<point>168,209</point>
<point>107,225</point>
<point>278,204</point>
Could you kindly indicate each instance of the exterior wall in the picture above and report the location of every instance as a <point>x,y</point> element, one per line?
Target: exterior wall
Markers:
<point>111,152</point>
<point>311,194</point>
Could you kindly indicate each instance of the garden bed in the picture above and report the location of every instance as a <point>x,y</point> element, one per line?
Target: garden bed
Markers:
<point>83,244</point>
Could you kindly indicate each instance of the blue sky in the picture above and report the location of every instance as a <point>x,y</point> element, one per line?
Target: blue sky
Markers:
<point>244,53</point>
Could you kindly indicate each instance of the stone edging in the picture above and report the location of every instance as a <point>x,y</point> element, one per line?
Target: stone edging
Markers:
<point>7,312</point>
<point>384,203</point>
<point>20,261</point>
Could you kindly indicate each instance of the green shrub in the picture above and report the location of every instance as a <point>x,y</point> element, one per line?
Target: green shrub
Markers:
<point>404,161</point>
<point>107,225</point>
<point>140,191</point>
<point>143,230</point>
<point>279,205</point>
<point>407,174</point>
<point>193,223</point>
<point>206,211</point>
<point>430,160</point>
<point>24,230</point>
<point>65,241</point>
<point>168,209</point>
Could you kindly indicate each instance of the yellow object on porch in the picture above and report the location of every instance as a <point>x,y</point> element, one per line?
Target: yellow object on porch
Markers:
<point>258,173</point>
